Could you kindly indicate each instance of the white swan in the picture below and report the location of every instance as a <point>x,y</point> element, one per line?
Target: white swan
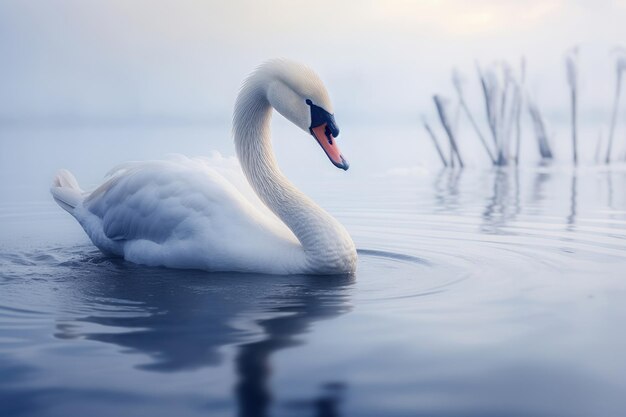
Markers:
<point>184,213</point>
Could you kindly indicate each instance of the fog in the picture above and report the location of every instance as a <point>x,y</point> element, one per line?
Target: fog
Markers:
<point>86,85</point>
<point>91,62</point>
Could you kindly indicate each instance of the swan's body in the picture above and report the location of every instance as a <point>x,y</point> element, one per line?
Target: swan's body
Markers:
<point>185,213</point>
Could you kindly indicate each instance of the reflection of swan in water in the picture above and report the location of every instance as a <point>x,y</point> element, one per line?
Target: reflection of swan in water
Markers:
<point>182,320</point>
<point>253,358</point>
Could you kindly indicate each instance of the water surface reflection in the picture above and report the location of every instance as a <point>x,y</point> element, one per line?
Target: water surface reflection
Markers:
<point>478,293</point>
<point>182,320</point>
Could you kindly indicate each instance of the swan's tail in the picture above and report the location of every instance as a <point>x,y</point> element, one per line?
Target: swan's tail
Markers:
<point>66,191</point>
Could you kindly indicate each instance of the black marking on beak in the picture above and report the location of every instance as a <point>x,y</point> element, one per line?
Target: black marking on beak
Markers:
<point>319,116</point>
<point>329,135</point>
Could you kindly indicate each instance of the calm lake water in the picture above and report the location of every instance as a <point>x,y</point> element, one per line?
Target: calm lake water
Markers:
<point>478,293</point>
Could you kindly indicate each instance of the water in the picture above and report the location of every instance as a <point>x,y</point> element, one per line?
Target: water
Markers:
<point>478,293</point>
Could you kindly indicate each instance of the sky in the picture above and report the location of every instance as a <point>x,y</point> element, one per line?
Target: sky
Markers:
<point>183,61</point>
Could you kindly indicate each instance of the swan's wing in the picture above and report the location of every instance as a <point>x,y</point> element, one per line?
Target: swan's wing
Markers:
<point>230,169</point>
<point>227,167</point>
<point>154,200</point>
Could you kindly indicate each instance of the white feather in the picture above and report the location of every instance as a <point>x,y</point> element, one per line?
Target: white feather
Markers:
<point>201,213</point>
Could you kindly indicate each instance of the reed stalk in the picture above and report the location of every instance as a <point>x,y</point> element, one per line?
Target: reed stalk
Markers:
<point>572,81</point>
<point>443,117</point>
<point>503,123</point>
<point>510,121</point>
<point>458,86</point>
<point>518,114</point>
<point>540,130</point>
<point>620,67</point>
<point>487,83</point>
<point>435,142</point>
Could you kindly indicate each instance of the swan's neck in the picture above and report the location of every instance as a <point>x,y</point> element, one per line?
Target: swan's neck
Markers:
<point>325,242</point>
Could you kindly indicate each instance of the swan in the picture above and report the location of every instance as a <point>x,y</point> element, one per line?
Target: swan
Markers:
<point>191,214</point>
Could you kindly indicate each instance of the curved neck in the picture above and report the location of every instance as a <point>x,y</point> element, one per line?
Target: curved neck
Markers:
<point>322,237</point>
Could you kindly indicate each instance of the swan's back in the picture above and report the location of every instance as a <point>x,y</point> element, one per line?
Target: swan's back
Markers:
<point>159,200</point>
<point>184,214</point>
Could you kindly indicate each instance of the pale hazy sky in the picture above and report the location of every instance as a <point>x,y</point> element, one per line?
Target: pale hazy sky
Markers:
<point>382,60</point>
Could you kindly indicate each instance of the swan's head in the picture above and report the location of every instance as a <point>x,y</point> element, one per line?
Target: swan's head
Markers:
<point>296,92</point>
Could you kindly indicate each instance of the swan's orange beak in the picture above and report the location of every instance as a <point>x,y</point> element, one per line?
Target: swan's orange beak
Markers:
<point>326,140</point>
